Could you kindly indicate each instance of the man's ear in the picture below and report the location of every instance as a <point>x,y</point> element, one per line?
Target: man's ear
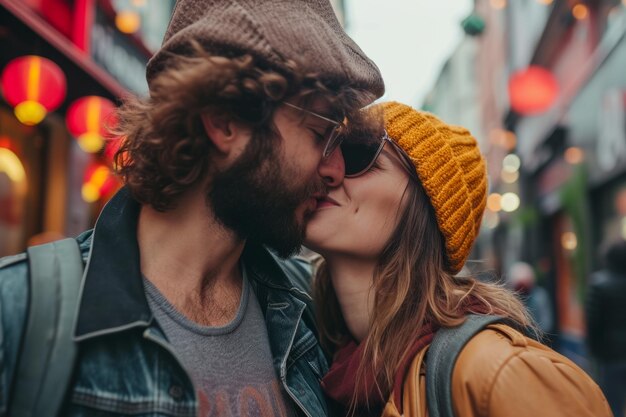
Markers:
<point>221,131</point>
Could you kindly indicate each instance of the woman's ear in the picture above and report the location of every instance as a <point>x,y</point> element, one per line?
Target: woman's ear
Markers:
<point>223,132</point>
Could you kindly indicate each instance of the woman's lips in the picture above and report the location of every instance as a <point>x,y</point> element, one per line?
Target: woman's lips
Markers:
<point>324,202</point>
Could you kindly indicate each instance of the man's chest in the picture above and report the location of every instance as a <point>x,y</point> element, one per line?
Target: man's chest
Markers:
<point>231,365</point>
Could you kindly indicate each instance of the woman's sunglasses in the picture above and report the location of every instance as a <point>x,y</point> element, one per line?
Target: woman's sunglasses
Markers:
<point>360,154</point>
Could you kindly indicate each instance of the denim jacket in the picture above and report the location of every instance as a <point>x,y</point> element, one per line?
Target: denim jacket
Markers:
<point>126,366</point>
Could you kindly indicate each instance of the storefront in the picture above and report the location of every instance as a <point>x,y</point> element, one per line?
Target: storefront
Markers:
<point>561,245</point>
<point>576,154</point>
<point>597,119</point>
<point>51,184</point>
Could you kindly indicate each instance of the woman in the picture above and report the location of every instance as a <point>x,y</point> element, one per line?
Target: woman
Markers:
<point>394,236</point>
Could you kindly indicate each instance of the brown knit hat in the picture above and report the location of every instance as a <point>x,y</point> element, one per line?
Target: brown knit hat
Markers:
<point>451,169</point>
<point>274,31</point>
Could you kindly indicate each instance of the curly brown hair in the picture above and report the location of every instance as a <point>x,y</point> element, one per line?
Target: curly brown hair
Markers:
<point>165,150</point>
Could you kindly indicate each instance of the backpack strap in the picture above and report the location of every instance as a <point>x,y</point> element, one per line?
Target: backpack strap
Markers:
<point>441,358</point>
<point>45,366</point>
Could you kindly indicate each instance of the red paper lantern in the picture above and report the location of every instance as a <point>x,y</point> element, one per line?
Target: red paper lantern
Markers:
<point>532,90</point>
<point>98,182</point>
<point>34,86</point>
<point>88,119</point>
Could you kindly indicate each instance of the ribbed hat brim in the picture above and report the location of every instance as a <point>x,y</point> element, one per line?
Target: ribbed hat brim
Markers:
<point>451,169</point>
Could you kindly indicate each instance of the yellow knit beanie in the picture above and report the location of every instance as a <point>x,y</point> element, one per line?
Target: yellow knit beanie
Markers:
<point>451,170</point>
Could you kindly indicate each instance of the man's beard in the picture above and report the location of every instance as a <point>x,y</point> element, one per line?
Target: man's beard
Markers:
<point>254,198</point>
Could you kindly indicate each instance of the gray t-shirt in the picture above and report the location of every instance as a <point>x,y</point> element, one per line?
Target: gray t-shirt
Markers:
<point>231,365</point>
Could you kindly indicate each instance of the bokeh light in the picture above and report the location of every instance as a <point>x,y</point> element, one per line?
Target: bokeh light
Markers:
<point>569,241</point>
<point>491,220</point>
<point>128,21</point>
<point>11,165</point>
<point>509,202</point>
<point>503,138</point>
<point>574,155</point>
<point>509,177</point>
<point>511,163</point>
<point>580,11</point>
<point>494,203</point>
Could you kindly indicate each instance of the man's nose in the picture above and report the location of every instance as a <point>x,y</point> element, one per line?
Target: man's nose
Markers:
<point>332,169</point>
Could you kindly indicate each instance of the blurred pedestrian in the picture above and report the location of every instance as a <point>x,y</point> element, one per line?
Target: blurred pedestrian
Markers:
<point>606,325</point>
<point>394,236</point>
<point>185,307</point>
<point>521,279</point>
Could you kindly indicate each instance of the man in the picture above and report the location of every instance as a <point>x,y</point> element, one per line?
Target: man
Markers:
<point>183,311</point>
<point>606,325</point>
<point>521,279</point>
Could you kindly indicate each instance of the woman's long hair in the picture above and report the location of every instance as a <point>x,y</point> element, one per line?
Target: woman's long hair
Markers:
<point>412,286</point>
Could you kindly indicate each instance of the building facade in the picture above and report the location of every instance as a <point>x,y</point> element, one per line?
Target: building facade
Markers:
<point>570,181</point>
<point>101,48</point>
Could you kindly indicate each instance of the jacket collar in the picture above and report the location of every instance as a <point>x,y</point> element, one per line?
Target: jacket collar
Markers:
<point>112,294</point>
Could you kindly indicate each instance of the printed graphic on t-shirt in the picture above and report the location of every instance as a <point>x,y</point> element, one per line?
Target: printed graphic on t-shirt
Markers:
<point>262,400</point>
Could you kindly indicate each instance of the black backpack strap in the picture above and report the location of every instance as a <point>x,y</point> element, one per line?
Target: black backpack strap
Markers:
<point>441,358</point>
<point>48,351</point>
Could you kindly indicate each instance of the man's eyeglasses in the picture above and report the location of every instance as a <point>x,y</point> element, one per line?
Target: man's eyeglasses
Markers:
<point>360,154</point>
<point>333,133</point>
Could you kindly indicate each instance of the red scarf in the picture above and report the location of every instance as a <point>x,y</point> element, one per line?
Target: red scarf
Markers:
<point>339,383</point>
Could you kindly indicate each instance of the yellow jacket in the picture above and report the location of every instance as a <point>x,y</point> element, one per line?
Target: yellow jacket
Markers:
<point>502,373</point>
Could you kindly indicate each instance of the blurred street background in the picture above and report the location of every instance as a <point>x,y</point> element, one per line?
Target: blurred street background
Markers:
<point>540,83</point>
